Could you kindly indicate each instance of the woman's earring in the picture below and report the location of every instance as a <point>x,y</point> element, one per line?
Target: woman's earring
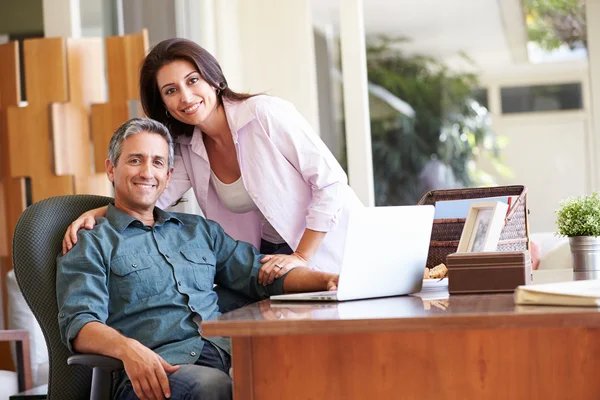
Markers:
<point>167,113</point>
<point>218,91</point>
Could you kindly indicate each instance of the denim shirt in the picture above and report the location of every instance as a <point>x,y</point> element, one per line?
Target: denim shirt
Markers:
<point>154,284</point>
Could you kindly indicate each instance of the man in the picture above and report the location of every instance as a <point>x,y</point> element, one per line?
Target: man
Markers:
<point>136,285</point>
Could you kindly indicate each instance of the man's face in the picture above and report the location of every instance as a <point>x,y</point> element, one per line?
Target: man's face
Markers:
<point>142,172</point>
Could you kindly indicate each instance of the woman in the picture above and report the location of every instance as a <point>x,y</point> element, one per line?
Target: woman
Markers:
<point>255,164</point>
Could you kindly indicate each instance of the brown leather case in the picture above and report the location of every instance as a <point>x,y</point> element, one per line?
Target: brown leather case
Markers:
<point>490,272</point>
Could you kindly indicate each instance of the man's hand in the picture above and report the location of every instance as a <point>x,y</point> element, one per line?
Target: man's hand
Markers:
<point>332,281</point>
<point>147,372</point>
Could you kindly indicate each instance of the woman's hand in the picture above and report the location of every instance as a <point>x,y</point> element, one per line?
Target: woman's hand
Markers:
<point>86,220</point>
<point>276,265</point>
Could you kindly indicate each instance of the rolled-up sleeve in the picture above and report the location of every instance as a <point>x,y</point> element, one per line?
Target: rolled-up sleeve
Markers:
<point>179,183</point>
<point>81,291</point>
<point>301,146</point>
<point>237,266</point>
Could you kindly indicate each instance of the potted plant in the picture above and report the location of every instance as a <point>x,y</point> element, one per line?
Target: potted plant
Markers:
<point>578,218</point>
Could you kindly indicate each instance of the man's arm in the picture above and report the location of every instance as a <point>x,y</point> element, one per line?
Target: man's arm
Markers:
<point>146,369</point>
<point>83,300</point>
<point>307,280</point>
<point>238,266</point>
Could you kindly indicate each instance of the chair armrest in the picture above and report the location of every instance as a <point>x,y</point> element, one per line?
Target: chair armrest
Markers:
<point>95,360</point>
<point>21,339</point>
<point>104,369</point>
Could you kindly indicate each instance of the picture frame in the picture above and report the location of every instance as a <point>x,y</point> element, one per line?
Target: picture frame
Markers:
<point>482,227</point>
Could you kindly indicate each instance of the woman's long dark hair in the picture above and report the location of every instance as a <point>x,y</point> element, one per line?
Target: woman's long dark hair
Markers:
<point>171,50</point>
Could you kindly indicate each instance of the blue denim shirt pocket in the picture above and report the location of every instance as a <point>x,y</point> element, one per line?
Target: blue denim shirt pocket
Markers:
<point>203,265</point>
<point>137,276</point>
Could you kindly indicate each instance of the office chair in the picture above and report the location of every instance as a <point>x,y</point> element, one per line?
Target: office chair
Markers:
<point>37,241</point>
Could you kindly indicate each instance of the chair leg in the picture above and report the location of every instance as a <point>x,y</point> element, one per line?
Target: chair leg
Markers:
<point>102,384</point>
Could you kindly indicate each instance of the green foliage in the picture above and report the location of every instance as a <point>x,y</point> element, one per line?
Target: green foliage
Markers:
<point>552,23</point>
<point>448,126</point>
<point>579,216</point>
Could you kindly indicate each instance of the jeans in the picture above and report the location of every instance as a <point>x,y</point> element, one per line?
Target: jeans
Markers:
<point>272,248</point>
<point>207,379</point>
<point>230,300</point>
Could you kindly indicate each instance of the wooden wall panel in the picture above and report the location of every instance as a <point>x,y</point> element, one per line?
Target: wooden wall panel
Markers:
<point>12,190</point>
<point>124,55</point>
<point>72,149</point>
<point>70,122</point>
<point>10,82</point>
<point>106,118</point>
<point>85,60</point>
<point>3,226</point>
<point>29,127</point>
<point>45,71</point>
<point>29,136</point>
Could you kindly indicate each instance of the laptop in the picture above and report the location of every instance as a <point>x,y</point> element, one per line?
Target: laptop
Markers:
<point>385,254</point>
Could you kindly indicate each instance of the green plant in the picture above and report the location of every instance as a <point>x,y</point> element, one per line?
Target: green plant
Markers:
<point>579,216</point>
<point>448,127</point>
<point>552,23</point>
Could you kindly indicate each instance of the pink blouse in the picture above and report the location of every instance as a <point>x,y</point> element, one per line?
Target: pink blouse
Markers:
<point>288,171</point>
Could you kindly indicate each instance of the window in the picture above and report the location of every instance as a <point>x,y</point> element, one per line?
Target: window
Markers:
<point>519,99</point>
<point>480,95</point>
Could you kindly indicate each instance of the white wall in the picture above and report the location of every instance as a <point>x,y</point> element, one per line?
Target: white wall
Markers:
<point>548,152</point>
<point>276,50</point>
<point>61,18</point>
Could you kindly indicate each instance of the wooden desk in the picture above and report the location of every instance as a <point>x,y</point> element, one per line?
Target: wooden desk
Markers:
<point>463,347</point>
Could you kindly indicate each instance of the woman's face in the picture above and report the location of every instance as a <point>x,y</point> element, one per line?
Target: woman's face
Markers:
<point>186,96</point>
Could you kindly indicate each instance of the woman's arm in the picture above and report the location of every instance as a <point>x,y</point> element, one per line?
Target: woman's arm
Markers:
<point>309,244</point>
<point>295,139</point>
<point>276,265</point>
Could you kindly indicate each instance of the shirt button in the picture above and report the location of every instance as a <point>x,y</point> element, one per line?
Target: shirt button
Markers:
<point>193,354</point>
<point>203,258</point>
<point>192,308</point>
<point>134,265</point>
<point>179,283</point>
<point>62,314</point>
<point>166,255</point>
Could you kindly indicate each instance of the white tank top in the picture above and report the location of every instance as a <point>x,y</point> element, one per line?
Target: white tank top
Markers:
<point>236,199</point>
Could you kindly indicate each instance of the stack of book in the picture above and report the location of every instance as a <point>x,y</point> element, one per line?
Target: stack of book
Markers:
<point>576,293</point>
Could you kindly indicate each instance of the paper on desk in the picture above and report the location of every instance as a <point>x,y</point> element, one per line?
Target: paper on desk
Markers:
<point>433,289</point>
<point>575,293</point>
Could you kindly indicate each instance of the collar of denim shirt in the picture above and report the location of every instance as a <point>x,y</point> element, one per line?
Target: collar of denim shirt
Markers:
<point>121,220</point>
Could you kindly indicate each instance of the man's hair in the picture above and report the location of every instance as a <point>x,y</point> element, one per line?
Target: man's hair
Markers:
<point>133,127</point>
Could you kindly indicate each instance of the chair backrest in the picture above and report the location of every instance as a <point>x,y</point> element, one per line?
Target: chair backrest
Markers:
<point>37,241</point>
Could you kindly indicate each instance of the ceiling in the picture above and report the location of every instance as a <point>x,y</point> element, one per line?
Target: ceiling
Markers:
<point>491,32</point>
